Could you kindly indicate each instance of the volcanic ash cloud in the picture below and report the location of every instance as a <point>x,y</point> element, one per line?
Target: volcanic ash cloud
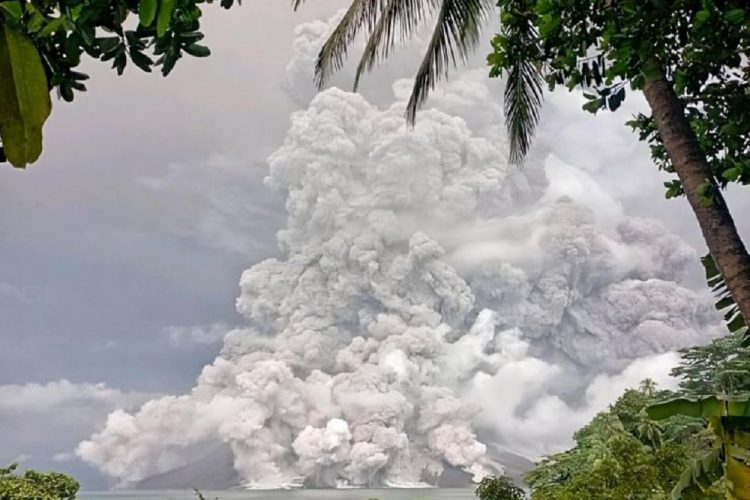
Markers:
<point>424,284</point>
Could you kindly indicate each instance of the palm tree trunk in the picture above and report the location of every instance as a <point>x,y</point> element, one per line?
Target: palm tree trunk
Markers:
<point>691,167</point>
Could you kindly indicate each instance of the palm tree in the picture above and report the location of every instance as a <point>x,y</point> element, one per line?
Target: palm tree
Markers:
<point>648,387</point>
<point>457,25</point>
<point>455,33</point>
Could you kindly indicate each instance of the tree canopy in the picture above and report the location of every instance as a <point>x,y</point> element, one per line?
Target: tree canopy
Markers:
<point>609,46</point>
<point>33,485</point>
<point>622,454</point>
<point>689,57</point>
<point>498,488</point>
<point>42,44</point>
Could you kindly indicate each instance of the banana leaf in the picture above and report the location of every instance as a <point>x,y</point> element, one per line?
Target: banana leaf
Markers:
<point>707,407</point>
<point>699,476</point>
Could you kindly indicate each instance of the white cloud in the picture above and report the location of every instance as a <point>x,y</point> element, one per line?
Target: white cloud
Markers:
<point>64,456</point>
<point>59,394</point>
<point>180,336</point>
<point>41,423</point>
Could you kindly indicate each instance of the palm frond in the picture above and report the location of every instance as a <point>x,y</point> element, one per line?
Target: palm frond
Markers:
<point>523,100</point>
<point>331,56</point>
<point>396,16</point>
<point>524,78</point>
<point>725,303</point>
<point>456,32</point>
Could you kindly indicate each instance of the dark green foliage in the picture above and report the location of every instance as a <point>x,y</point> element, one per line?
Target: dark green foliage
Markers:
<point>516,50</point>
<point>608,46</point>
<point>457,24</point>
<point>621,453</point>
<point>720,367</point>
<point>33,485</point>
<point>498,488</point>
<point>617,443</point>
<point>63,33</point>
<point>663,435</point>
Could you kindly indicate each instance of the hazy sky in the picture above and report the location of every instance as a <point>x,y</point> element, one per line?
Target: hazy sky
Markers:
<point>121,249</point>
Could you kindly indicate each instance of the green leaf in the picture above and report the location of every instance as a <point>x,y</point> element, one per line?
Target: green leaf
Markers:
<point>24,97</point>
<point>147,12</point>
<point>732,174</point>
<point>615,100</point>
<point>700,475</point>
<point>594,105</point>
<point>198,50</point>
<point>36,21</point>
<point>52,26</point>
<point>165,17</point>
<point>109,44</point>
<point>141,60</point>
<point>700,408</point>
<point>701,17</point>
<point>12,11</point>
<point>735,16</point>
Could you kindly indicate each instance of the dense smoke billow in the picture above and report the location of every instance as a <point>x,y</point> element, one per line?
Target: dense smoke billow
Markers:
<point>433,305</point>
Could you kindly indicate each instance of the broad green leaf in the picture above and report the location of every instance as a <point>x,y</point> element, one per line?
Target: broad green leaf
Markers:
<point>738,479</point>
<point>735,16</point>
<point>700,408</point>
<point>24,97</point>
<point>165,17</point>
<point>699,476</point>
<point>12,10</point>
<point>147,11</point>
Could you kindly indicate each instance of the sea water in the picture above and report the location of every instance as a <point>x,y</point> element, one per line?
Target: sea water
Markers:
<point>348,494</point>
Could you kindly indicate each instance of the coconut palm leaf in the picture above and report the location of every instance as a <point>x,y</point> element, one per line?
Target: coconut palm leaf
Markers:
<point>523,100</point>
<point>402,16</point>
<point>456,32</point>
<point>724,301</point>
<point>524,77</point>
<point>361,13</point>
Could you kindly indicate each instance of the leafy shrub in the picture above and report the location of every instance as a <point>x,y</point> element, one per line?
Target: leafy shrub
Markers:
<point>498,488</point>
<point>33,485</point>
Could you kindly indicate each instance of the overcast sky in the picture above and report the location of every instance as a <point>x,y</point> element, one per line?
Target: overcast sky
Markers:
<point>121,249</point>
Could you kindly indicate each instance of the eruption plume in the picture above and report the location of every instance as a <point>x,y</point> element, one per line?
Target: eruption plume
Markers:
<point>427,294</point>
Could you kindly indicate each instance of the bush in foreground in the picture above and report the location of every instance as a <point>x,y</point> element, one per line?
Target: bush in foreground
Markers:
<point>33,485</point>
<point>498,488</point>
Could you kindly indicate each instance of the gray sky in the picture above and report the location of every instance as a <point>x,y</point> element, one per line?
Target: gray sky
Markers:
<point>121,249</point>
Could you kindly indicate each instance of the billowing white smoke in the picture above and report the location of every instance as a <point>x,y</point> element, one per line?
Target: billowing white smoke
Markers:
<point>428,293</point>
